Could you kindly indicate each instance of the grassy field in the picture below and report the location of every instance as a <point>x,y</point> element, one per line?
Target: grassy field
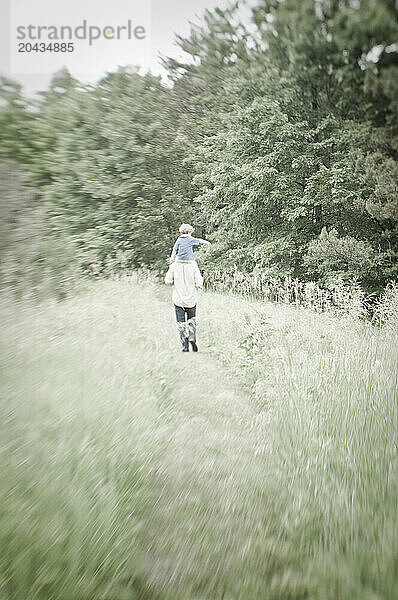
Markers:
<point>265,467</point>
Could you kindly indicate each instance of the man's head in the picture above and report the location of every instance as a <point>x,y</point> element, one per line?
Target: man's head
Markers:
<point>186,228</point>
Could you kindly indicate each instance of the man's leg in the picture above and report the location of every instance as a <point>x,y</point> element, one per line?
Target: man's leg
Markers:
<point>191,315</point>
<point>181,327</point>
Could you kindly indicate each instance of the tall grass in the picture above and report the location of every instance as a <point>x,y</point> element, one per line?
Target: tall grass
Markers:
<point>340,297</point>
<point>328,390</point>
<point>264,467</point>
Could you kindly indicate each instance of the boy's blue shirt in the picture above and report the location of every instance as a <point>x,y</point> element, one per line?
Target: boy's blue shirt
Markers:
<point>184,247</point>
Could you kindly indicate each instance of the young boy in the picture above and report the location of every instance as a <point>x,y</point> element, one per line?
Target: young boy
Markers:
<point>183,248</point>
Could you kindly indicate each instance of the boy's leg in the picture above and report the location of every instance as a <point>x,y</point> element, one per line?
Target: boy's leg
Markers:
<point>181,327</point>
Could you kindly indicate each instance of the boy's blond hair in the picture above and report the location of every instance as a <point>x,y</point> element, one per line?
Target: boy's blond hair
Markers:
<point>186,228</point>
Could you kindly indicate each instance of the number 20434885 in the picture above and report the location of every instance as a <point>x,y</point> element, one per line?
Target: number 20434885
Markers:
<point>42,47</point>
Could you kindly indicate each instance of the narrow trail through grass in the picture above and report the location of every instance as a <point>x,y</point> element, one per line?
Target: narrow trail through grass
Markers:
<point>204,511</point>
<point>209,506</point>
<point>263,467</point>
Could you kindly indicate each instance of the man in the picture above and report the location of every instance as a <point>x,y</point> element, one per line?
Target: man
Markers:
<point>186,277</point>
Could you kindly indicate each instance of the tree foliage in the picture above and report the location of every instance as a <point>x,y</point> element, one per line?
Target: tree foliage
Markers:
<point>278,138</point>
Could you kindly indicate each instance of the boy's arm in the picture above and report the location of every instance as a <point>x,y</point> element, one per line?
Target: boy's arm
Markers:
<point>204,242</point>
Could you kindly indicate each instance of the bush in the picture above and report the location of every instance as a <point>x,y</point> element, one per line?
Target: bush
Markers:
<point>386,311</point>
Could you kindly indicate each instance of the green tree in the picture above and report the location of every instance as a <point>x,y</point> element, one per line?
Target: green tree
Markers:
<point>16,122</point>
<point>301,147</point>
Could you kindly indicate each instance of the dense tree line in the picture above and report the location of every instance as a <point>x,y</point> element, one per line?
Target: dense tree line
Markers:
<point>278,139</point>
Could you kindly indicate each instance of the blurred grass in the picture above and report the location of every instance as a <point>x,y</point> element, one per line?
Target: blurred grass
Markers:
<point>264,467</point>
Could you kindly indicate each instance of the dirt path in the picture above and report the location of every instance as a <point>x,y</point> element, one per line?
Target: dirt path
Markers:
<point>207,509</point>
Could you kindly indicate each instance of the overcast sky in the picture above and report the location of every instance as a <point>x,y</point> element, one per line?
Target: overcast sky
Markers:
<point>161,19</point>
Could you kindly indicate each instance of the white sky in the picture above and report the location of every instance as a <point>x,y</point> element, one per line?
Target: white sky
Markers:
<point>161,19</point>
